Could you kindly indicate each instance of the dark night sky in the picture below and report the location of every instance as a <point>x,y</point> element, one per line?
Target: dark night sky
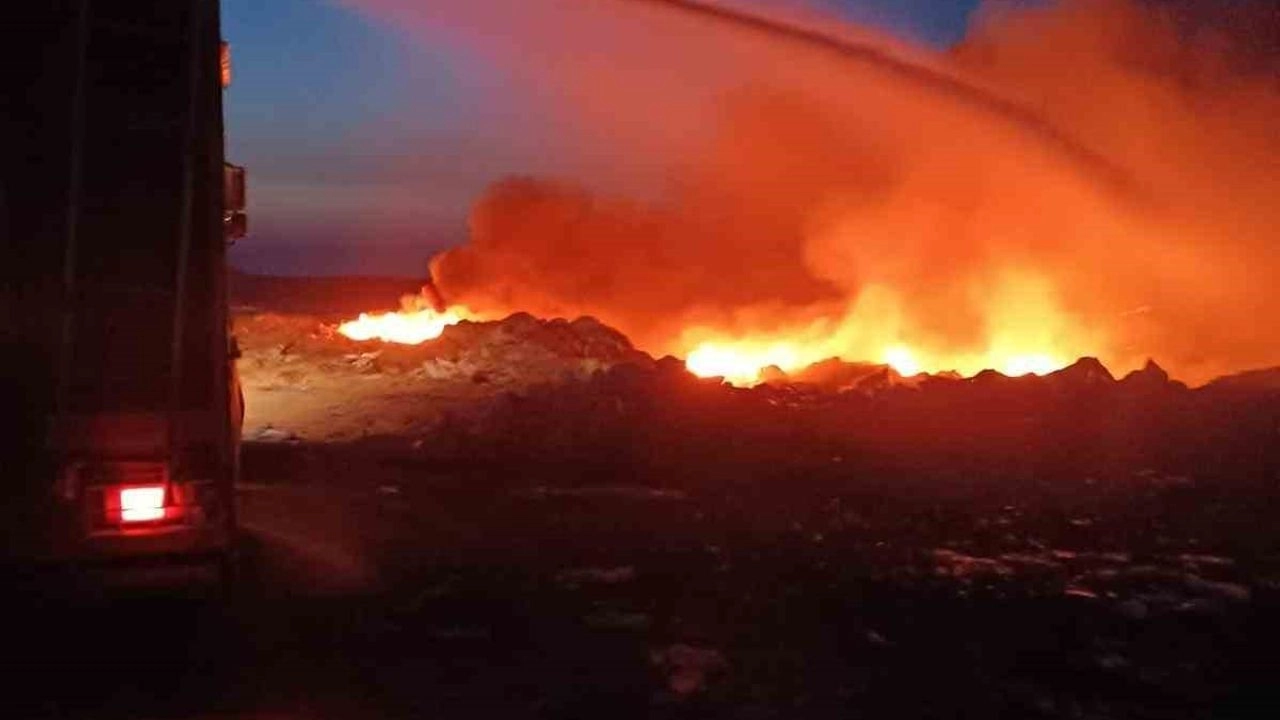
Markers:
<point>352,131</point>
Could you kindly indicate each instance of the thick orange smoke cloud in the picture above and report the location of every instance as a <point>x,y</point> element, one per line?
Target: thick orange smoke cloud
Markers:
<point>1090,178</point>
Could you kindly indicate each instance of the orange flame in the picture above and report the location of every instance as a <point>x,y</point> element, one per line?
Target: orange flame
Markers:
<point>411,326</point>
<point>744,363</point>
<point>1027,333</point>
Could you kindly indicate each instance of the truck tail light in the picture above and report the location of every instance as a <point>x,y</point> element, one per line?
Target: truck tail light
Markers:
<point>141,497</point>
<point>143,503</point>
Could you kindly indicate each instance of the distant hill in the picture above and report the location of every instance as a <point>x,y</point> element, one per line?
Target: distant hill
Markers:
<point>335,252</point>
<point>326,296</point>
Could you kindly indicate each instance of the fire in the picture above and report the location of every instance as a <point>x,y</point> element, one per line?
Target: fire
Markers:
<point>1027,331</point>
<point>1029,334</point>
<point>742,363</point>
<point>410,326</point>
<point>901,359</point>
<point>1008,210</point>
<point>1034,364</point>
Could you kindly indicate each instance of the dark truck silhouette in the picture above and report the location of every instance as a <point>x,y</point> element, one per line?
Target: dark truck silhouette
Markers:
<point>117,208</point>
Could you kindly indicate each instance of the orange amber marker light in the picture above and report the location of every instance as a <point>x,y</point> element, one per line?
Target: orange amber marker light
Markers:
<point>224,60</point>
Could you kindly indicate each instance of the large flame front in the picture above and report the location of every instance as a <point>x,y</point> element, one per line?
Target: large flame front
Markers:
<point>1026,332</point>
<point>743,362</point>
<point>746,362</point>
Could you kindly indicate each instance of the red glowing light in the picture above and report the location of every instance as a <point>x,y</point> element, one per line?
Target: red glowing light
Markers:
<point>141,504</point>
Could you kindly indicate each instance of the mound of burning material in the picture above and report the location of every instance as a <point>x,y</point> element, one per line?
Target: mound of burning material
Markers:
<point>515,351</point>
<point>578,393</point>
<point>522,350</point>
<point>303,379</point>
<point>660,421</point>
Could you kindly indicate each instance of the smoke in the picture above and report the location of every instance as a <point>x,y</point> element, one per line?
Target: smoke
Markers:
<point>1086,178</point>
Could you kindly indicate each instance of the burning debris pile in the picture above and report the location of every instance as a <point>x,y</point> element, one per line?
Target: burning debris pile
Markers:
<point>522,350</point>
<point>302,374</point>
<point>658,420</point>
<point>579,393</point>
<point>516,351</point>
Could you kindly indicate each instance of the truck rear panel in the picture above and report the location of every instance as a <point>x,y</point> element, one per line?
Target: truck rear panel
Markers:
<point>117,329</point>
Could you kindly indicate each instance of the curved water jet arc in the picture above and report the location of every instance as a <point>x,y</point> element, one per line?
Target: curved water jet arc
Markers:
<point>1097,166</point>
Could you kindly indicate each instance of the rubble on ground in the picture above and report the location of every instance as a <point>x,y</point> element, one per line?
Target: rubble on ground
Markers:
<point>577,392</point>
<point>1056,434</point>
<point>302,377</point>
<point>518,350</point>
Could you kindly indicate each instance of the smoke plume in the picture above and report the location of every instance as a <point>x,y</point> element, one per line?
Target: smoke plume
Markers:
<point>1085,178</point>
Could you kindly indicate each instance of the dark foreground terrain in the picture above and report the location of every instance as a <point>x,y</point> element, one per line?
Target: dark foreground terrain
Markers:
<point>524,520</point>
<point>384,586</point>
